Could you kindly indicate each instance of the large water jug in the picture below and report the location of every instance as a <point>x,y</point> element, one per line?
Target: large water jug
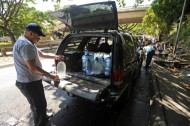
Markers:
<point>85,58</point>
<point>88,67</point>
<point>102,65</point>
<point>108,66</point>
<point>61,69</point>
<point>96,68</point>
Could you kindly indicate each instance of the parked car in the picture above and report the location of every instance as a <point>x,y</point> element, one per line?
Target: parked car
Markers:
<point>101,62</point>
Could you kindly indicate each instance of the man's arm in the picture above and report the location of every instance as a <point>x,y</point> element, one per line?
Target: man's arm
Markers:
<point>37,70</point>
<point>49,55</point>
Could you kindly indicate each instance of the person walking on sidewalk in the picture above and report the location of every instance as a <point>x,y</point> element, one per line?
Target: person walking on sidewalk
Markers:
<point>149,51</point>
<point>29,71</point>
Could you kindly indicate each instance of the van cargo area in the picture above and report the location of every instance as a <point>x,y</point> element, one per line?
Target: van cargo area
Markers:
<point>88,66</point>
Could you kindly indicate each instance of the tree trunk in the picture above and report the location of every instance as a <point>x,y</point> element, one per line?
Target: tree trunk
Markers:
<point>11,35</point>
<point>8,30</point>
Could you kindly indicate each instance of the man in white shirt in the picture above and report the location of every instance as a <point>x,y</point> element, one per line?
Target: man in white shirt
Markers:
<point>149,51</point>
<point>29,71</point>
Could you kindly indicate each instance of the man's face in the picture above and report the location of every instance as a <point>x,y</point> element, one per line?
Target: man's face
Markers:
<point>34,37</point>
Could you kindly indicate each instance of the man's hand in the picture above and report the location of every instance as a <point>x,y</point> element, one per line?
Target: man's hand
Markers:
<point>59,57</point>
<point>54,77</point>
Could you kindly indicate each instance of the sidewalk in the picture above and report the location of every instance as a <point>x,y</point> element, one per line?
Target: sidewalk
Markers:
<point>170,99</point>
<point>6,61</point>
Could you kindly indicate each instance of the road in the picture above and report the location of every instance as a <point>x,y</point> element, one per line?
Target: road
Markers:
<point>71,111</point>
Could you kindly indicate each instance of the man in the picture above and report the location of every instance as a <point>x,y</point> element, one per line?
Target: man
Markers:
<point>149,51</point>
<point>29,71</point>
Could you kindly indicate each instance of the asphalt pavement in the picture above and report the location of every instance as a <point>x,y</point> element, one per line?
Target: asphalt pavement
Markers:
<point>169,97</point>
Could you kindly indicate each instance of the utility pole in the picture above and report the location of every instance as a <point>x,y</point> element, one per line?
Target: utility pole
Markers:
<point>179,28</point>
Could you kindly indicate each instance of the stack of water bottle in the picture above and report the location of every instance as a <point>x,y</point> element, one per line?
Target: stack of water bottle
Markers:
<point>96,63</point>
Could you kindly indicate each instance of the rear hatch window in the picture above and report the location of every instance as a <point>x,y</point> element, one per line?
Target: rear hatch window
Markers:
<point>98,16</point>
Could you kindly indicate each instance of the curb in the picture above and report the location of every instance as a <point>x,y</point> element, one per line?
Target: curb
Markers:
<point>157,113</point>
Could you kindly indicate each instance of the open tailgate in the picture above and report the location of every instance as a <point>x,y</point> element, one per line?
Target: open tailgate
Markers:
<point>82,87</point>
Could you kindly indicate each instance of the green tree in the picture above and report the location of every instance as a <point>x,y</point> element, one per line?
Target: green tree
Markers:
<point>153,25</point>
<point>184,37</point>
<point>169,11</point>
<point>9,10</point>
<point>29,14</point>
<point>12,21</point>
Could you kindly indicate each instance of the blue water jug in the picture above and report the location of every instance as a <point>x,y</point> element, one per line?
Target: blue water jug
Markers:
<point>108,65</point>
<point>88,67</point>
<point>102,65</point>
<point>85,58</point>
<point>96,68</point>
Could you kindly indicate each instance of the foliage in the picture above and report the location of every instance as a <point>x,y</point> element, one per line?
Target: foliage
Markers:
<point>153,25</point>
<point>14,18</point>
<point>57,6</point>
<point>135,28</point>
<point>138,29</point>
<point>121,3</point>
<point>5,43</point>
<point>27,15</point>
<point>185,34</point>
<point>138,2</point>
<point>169,10</point>
<point>58,1</point>
<point>9,10</point>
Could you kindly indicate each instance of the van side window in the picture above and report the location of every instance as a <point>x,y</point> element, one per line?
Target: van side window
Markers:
<point>128,50</point>
<point>74,44</point>
<point>91,45</point>
<point>104,45</point>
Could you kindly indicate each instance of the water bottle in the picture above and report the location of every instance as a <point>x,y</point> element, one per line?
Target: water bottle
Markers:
<point>61,69</point>
<point>96,66</point>
<point>88,67</point>
<point>85,58</point>
<point>102,65</point>
<point>108,65</point>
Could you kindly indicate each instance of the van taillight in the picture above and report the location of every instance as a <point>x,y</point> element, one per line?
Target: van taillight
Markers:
<point>118,76</point>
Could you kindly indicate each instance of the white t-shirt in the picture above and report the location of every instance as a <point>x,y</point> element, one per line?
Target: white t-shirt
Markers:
<point>148,48</point>
<point>24,50</point>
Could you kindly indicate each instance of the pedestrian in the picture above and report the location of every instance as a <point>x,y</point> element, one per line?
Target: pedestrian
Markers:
<point>149,51</point>
<point>29,71</point>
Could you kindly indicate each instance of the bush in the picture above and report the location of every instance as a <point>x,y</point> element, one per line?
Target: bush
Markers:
<point>3,43</point>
